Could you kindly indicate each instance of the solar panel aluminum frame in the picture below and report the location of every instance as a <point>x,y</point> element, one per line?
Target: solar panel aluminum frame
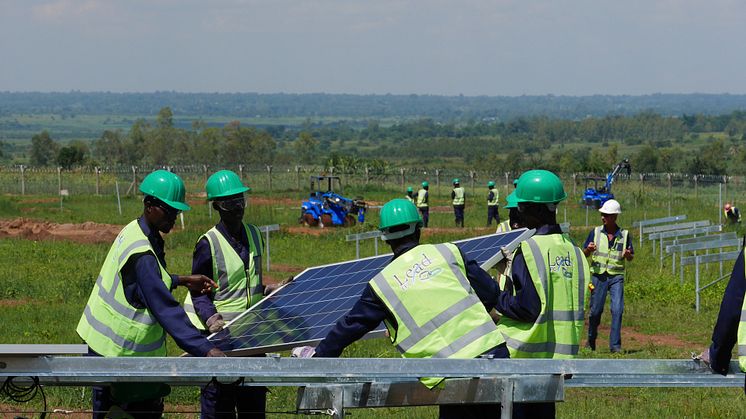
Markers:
<point>486,265</point>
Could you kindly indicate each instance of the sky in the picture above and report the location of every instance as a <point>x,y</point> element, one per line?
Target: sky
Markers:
<point>469,47</point>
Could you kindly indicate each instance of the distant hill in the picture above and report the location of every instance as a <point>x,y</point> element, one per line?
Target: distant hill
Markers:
<point>443,108</point>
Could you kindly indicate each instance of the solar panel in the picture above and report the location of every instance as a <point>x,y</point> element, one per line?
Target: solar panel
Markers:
<point>305,310</point>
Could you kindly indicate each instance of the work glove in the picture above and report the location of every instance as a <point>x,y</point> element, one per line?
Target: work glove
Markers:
<point>198,283</point>
<point>215,323</point>
<point>303,352</point>
<point>269,289</point>
<point>502,266</point>
<point>704,356</point>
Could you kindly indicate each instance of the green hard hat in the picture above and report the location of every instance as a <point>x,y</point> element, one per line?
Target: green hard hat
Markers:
<point>512,203</point>
<point>456,180</point>
<point>491,184</point>
<point>399,212</point>
<point>224,183</point>
<point>541,187</point>
<point>409,189</point>
<point>166,186</point>
<point>425,184</point>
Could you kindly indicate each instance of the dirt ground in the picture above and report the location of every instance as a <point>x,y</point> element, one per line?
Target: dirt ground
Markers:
<point>88,232</point>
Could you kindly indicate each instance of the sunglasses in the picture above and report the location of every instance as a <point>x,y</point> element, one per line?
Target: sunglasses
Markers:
<point>232,204</point>
<point>167,210</point>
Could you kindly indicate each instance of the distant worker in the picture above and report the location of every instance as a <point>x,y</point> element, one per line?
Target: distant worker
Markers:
<point>732,214</point>
<point>444,315</point>
<point>493,202</point>
<point>459,202</point>
<point>410,195</point>
<point>230,252</point>
<point>422,203</point>
<point>608,246</point>
<point>131,307</point>
<point>514,217</point>
<point>730,327</point>
<point>542,317</point>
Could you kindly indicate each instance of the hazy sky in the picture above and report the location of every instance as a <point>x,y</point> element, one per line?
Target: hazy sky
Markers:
<point>470,47</point>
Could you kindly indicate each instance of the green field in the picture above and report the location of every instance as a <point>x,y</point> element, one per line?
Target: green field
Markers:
<point>48,282</point>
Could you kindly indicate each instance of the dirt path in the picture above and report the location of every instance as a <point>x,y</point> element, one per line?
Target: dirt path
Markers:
<point>88,232</point>
<point>634,341</point>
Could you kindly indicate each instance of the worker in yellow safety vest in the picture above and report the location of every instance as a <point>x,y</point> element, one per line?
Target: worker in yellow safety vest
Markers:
<point>423,205</point>
<point>410,195</point>
<point>458,198</point>
<point>542,316</point>
<point>493,203</point>
<point>433,300</point>
<point>131,307</point>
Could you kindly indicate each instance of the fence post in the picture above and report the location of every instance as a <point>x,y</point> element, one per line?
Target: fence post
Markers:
<point>367,175</point>
<point>696,184</point>
<point>297,177</point>
<point>269,176</point>
<point>134,181</point>
<point>240,172</point>
<point>725,188</point>
<point>59,180</point>
<point>437,180</point>
<point>23,180</point>
<point>670,197</point>
<point>574,183</point>
<point>204,168</point>
<point>401,174</point>
<point>472,175</point>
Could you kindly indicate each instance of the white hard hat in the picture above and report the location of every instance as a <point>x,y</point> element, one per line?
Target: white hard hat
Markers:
<point>611,207</point>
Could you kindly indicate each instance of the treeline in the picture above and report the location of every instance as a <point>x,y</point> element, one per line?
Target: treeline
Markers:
<point>661,144</point>
<point>441,108</point>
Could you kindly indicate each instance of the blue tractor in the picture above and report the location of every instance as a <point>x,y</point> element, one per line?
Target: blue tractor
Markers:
<point>328,208</point>
<point>595,196</point>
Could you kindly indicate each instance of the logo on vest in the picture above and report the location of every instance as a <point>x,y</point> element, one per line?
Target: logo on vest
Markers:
<point>418,271</point>
<point>564,263</point>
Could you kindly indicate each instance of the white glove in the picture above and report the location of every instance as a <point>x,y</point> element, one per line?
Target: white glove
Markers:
<point>507,254</point>
<point>303,352</point>
<point>215,323</point>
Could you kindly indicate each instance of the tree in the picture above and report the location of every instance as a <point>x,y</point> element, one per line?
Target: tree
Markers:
<point>305,147</point>
<point>72,155</point>
<point>43,149</point>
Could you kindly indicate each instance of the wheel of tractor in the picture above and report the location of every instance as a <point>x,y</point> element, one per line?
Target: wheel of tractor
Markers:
<point>326,220</point>
<point>349,220</point>
<point>309,220</point>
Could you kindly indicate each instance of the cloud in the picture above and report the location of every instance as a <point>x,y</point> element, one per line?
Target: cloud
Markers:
<point>66,10</point>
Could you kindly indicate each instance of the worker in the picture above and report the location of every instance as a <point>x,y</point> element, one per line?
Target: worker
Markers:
<point>730,326</point>
<point>609,247</point>
<point>230,252</point>
<point>410,195</point>
<point>131,307</point>
<point>458,195</point>
<point>493,201</point>
<point>443,315</point>
<point>542,317</point>
<point>732,214</point>
<point>422,203</point>
<point>514,217</point>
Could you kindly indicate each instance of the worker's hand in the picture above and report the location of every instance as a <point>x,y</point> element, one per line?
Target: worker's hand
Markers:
<point>198,283</point>
<point>270,288</point>
<point>507,253</point>
<point>303,352</point>
<point>590,248</point>
<point>627,254</point>
<point>704,356</point>
<point>216,353</point>
<point>215,323</point>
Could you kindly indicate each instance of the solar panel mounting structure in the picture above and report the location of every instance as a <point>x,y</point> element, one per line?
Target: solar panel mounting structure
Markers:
<point>305,310</point>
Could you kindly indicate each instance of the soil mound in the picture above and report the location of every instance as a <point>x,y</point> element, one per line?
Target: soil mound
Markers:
<point>88,232</point>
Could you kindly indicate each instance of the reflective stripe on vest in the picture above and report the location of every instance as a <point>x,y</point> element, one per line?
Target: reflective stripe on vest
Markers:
<point>437,313</point>
<point>560,274</point>
<point>605,259</point>
<point>422,198</point>
<point>110,325</point>
<point>239,287</point>
<point>458,197</point>
<point>504,227</point>
<point>741,336</point>
<point>495,198</point>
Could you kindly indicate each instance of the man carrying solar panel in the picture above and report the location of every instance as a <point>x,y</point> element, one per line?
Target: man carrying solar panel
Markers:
<point>230,253</point>
<point>435,286</point>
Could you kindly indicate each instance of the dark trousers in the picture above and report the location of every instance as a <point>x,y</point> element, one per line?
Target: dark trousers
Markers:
<point>458,211</point>
<point>145,409</point>
<point>223,401</point>
<point>425,212</point>
<point>492,214</point>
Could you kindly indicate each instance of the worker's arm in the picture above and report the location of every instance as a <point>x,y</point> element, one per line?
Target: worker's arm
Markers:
<point>202,265</point>
<point>522,303</point>
<point>481,282</point>
<point>367,313</point>
<point>144,288</point>
<point>629,251</point>
<point>453,194</point>
<point>725,334</point>
<point>589,246</point>
<point>490,196</point>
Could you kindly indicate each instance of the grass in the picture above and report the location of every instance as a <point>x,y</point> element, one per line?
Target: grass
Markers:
<point>47,284</point>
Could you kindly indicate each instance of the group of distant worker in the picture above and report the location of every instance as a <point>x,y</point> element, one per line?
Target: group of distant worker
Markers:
<point>458,200</point>
<point>434,300</point>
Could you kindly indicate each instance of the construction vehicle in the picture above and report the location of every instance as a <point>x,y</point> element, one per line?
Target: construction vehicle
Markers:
<point>595,196</point>
<point>329,208</point>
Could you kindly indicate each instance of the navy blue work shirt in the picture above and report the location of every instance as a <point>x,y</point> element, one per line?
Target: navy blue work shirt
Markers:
<point>725,334</point>
<point>519,300</point>
<point>202,264</point>
<point>369,311</point>
<point>144,288</point>
<point>491,195</point>
<point>617,235</point>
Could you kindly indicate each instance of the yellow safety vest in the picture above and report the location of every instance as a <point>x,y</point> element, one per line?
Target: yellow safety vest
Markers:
<point>239,287</point>
<point>742,338</point>
<point>458,198</point>
<point>422,198</point>
<point>605,259</point>
<point>495,198</point>
<point>110,325</point>
<point>560,275</point>
<point>437,313</point>
<point>409,198</point>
